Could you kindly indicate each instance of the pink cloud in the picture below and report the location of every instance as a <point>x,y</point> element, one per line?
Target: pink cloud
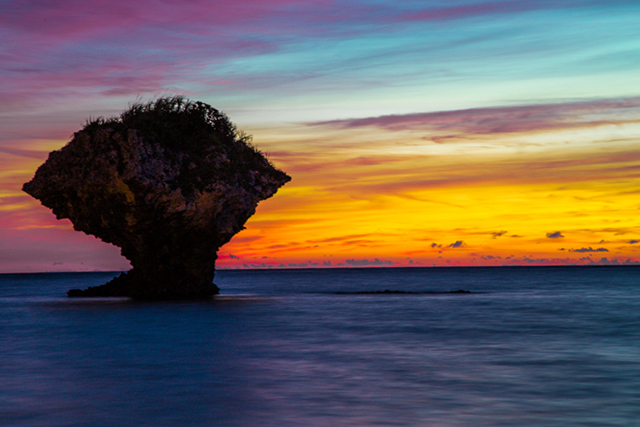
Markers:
<point>58,49</point>
<point>471,10</point>
<point>494,120</point>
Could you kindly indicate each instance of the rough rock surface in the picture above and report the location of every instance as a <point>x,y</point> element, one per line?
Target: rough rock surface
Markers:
<point>169,182</point>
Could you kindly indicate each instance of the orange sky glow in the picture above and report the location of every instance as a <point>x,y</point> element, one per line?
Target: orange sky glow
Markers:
<point>397,193</point>
<point>415,134</point>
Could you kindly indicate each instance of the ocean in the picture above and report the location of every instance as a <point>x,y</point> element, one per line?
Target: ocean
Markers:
<point>528,346</point>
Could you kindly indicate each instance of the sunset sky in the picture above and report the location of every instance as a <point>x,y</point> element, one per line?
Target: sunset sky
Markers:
<point>465,132</point>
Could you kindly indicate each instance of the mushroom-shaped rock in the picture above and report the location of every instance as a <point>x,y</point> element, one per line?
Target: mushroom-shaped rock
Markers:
<point>169,182</point>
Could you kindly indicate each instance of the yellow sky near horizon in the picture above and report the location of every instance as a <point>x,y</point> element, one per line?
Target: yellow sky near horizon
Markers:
<point>480,187</point>
<point>398,193</point>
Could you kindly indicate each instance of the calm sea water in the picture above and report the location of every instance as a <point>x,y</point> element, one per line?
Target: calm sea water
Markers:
<point>555,346</point>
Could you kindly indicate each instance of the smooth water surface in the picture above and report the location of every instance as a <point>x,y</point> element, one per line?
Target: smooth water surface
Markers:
<point>552,346</point>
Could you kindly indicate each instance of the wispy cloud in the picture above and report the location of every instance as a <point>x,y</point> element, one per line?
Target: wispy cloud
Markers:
<point>350,237</point>
<point>245,239</point>
<point>510,119</point>
<point>469,10</point>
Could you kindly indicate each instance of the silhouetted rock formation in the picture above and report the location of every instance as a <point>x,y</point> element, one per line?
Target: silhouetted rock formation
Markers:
<point>169,182</point>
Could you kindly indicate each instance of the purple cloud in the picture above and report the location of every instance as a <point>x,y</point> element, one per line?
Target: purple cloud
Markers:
<point>367,263</point>
<point>61,49</point>
<point>302,264</point>
<point>485,121</point>
<point>555,235</point>
<point>456,244</point>
<point>589,249</point>
<point>605,261</point>
<point>535,260</point>
<point>261,265</point>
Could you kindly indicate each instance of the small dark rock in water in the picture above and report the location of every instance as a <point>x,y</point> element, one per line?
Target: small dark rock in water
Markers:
<point>387,291</point>
<point>169,182</point>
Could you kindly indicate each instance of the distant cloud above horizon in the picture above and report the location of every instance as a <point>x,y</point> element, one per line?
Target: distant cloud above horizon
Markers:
<point>456,244</point>
<point>367,263</point>
<point>555,235</point>
<point>589,249</point>
<point>605,261</point>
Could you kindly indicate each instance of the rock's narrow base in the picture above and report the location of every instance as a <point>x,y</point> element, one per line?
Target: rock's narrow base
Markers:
<point>121,286</point>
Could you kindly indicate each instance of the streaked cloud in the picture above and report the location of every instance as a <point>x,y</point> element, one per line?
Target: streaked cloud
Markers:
<point>589,249</point>
<point>510,119</point>
<point>366,263</point>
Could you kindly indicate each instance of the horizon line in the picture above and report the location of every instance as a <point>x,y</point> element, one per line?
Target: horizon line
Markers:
<point>349,268</point>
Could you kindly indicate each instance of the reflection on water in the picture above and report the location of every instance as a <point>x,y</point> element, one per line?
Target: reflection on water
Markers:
<point>530,347</point>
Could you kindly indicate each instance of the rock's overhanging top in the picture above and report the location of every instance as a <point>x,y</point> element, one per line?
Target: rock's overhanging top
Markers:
<point>169,182</point>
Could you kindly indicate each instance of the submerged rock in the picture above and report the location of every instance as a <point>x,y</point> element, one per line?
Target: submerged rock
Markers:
<point>169,182</point>
<point>387,291</point>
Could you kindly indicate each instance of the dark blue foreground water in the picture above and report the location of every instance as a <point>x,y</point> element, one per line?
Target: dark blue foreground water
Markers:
<point>529,347</point>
